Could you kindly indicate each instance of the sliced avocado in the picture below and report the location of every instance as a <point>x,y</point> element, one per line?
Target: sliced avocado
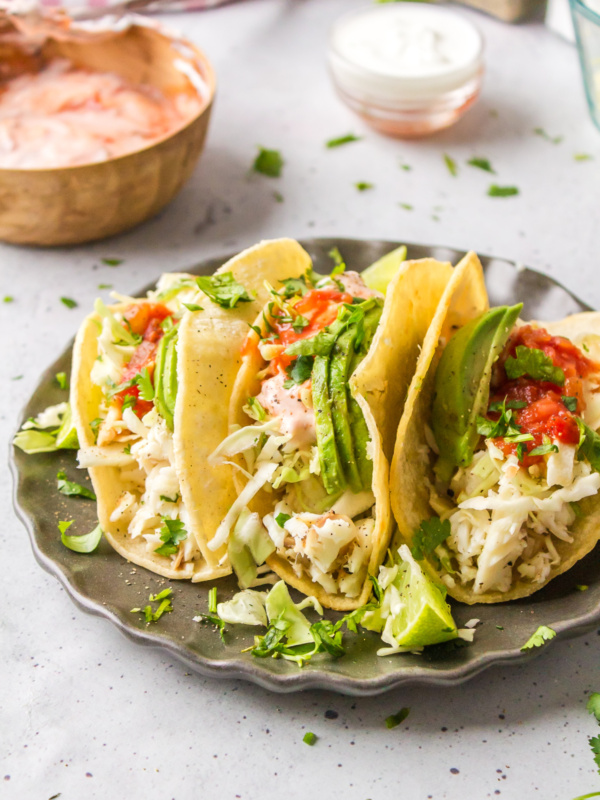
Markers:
<point>462,385</point>
<point>165,377</point>
<point>358,425</point>
<point>339,371</point>
<point>332,472</point>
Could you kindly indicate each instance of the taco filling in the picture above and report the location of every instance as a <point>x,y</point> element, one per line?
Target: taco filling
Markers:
<point>516,451</point>
<point>136,373</point>
<point>303,438</point>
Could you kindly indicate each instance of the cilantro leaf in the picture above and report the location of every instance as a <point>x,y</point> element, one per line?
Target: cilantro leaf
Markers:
<point>397,719</point>
<point>68,302</point>
<point>112,262</point>
<point>595,745</point>
<point>300,370</point>
<point>589,445</point>
<point>8,298</point>
<point>61,379</point>
<point>570,403</point>
<point>327,637</point>
<point>505,426</point>
<point>167,499</point>
<point>544,449</point>
<point>340,264</point>
<point>552,139</point>
<point>451,165</point>
<point>293,286</point>
<point>431,533</point>
<point>340,140</point>
<point>309,738</point>
<point>593,705</point>
<point>363,186</point>
<point>144,383</point>
<point>282,518</point>
<point>535,363</point>
<point>223,289</point>
<point>542,635</point>
<point>71,489</point>
<point>406,206</point>
<point>481,163</point>
<point>502,191</point>
<point>171,533</point>
<point>268,162</point>
<point>129,401</point>
<point>80,544</point>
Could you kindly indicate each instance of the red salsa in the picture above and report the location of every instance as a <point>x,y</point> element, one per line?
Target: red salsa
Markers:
<point>145,320</point>
<point>545,414</point>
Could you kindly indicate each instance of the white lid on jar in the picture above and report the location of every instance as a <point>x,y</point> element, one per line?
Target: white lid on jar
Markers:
<point>404,53</point>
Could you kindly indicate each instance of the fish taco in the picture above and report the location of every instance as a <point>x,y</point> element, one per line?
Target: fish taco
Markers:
<point>313,418</point>
<point>495,475</point>
<point>151,385</point>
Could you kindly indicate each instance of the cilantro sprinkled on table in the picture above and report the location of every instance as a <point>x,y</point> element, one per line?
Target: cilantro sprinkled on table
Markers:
<point>581,587</point>
<point>268,162</point>
<point>451,165</point>
<point>68,302</point>
<point>112,262</point>
<point>340,140</point>
<point>278,197</point>
<point>406,206</point>
<point>542,635</point>
<point>310,738</point>
<point>105,286</point>
<point>552,139</point>
<point>481,163</point>
<point>363,186</point>
<point>582,157</point>
<point>8,299</point>
<point>397,719</point>
<point>405,167</point>
<point>61,379</point>
<point>502,191</point>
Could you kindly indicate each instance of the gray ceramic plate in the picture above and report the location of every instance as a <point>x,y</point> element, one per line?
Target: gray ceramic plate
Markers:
<point>104,584</point>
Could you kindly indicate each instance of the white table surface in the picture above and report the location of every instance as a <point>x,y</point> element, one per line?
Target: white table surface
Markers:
<point>86,713</point>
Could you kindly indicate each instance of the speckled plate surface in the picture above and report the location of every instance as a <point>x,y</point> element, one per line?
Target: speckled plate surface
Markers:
<point>104,584</point>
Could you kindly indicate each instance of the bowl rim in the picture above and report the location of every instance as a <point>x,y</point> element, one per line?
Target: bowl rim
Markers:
<point>209,76</point>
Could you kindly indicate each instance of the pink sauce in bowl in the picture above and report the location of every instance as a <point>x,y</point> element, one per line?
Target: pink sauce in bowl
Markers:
<point>63,116</point>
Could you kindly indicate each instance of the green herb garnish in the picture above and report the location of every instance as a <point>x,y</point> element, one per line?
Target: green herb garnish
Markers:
<point>542,635</point>
<point>61,379</point>
<point>165,605</point>
<point>112,262</point>
<point>268,162</point>
<point>299,371</point>
<point>72,489</point>
<point>68,302</point>
<point>552,139</point>
<point>431,533</point>
<point>502,191</point>
<point>363,186</point>
<point>451,165</point>
<point>397,719</point>
<point>171,533</point>
<point>340,140</point>
<point>570,403</point>
<point>282,518</point>
<point>535,363</point>
<point>309,738</point>
<point>481,163</point>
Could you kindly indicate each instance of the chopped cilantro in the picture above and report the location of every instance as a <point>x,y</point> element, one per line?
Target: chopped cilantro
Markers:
<point>223,289</point>
<point>535,363</point>
<point>544,449</point>
<point>589,445</point>
<point>595,745</point>
<point>193,307</point>
<point>212,600</point>
<point>72,489</point>
<point>293,286</point>
<point>593,705</point>
<point>363,186</point>
<point>309,738</point>
<point>582,157</point>
<point>299,323</point>
<point>405,167</point>
<point>166,499</point>
<point>282,518</point>
<point>165,605</point>
<point>105,286</point>
<point>17,378</point>
<point>502,191</point>
<point>8,299</point>
<point>268,162</point>
<point>570,403</point>
<point>581,587</point>
<point>299,371</point>
<point>278,197</point>
<point>61,379</point>
<point>500,627</point>
<point>340,264</point>
<point>127,449</point>
<point>144,383</point>
<point>80,544</point>
<point>451,165</point>
<point>112,262</point>
<point>68,302</point>
<point>431,533</point>
<point>481,163</point>
<point>406,206</point>
<point>552,139</point>
<point>171,533</point>
<point>129,401</point>
<point>505,426</point>
<point>539,638</point>
<point>397,719</point>
<point>521,451</point>
<point>340,140</point>
<point>499,406</point>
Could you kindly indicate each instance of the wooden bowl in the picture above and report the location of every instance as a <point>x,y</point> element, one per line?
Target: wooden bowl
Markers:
<point>72,205</point>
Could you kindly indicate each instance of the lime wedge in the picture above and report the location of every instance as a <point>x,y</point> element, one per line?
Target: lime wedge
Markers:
<point>379,274</point>
<point>413,612</point>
